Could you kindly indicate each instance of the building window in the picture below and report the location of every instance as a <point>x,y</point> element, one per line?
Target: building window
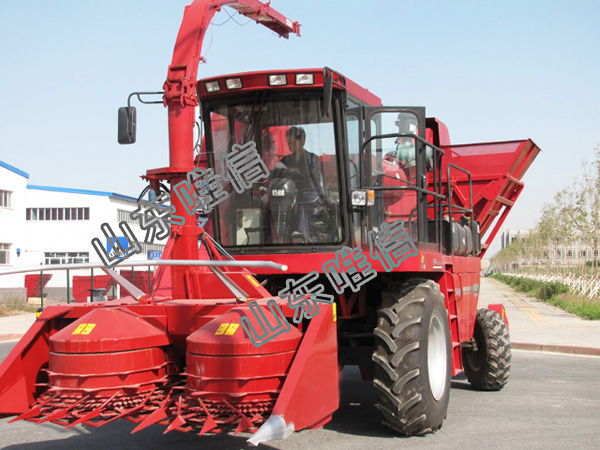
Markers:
<point>5,198</point>
<point>66,258</point>
<point>57,214</point>
<point>583,253</point>
<point>569,253</point>
<point>4,253</point>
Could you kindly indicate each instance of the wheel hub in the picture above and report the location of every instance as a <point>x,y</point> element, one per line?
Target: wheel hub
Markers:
<point>436,358</point>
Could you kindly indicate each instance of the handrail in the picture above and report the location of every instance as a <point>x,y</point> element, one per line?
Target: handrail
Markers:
<point>450,166</point>
<point>437,153</point>
<point>406,188</point>
<point>149,262</point>
<point>362,148</point>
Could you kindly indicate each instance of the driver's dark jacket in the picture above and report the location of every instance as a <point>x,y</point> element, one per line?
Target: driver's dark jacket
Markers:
<point>312,181</point>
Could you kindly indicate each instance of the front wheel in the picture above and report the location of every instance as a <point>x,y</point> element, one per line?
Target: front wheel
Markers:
<point>412,358</point>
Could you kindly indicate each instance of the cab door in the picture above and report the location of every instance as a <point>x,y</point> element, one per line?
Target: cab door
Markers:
<point>394,161</point>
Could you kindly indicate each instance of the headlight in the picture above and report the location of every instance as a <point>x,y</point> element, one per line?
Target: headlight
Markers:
<point>277,80</point>
<point>233,83</point>
<point>305,78</point>
<point>212,86</point>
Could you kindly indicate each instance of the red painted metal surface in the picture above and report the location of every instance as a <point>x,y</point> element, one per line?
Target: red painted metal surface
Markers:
<point>34,283</point>
<point>208,341</point>
<point>105,330</point>
<point>497,169</point>
<point>223,363</point>
<point>259,80</point>
<point>126,367</point>
<point>311,392</point>
<point>107,370</point>
<point>82,285</point>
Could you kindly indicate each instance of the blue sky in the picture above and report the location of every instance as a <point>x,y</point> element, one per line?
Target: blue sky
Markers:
<point>489,70</point>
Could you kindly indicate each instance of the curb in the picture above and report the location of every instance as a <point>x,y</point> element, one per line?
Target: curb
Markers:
<point>569,349</point>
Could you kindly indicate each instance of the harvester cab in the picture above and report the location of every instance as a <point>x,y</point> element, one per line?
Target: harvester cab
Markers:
<point>377,218</point>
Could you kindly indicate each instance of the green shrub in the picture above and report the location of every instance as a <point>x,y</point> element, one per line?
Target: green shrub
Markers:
<point>554,293</point>
<point>549,290</point>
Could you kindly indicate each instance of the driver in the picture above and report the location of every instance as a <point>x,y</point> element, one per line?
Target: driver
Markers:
<point>310,183</point>
<point>305,163</point>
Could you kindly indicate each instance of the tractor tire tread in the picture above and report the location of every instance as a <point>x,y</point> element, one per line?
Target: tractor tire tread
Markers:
<point>400,356</point>
<point>494,366</point>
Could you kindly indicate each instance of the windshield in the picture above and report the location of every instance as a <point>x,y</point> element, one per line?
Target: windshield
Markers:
<point>296,199</point>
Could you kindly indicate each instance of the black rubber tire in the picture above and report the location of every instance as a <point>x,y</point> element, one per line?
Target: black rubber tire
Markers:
<point>488,368</point>
<point>401,378</point>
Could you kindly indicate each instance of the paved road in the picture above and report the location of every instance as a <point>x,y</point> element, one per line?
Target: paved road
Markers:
<point>552,401</point>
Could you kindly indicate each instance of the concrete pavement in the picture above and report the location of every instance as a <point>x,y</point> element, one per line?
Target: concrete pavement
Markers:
<point>13,327</point>
<point>534,325</point>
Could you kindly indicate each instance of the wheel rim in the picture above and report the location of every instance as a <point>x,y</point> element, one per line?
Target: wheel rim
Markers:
<point>436,358</point>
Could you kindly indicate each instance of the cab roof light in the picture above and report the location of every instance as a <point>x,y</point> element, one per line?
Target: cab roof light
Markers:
<point>212,86</point>
<point>233,83</point>
<point>278,80</point>
<point>305,78</point>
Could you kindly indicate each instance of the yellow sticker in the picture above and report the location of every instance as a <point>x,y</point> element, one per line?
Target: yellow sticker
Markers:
<point>232,328</point>
<point>253,280</point>
<point>334,312</point>
<point>88,329</point>
<point>79,329</point>
<point>221,328</point>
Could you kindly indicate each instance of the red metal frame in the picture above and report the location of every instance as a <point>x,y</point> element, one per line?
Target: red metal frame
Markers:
<point>180,99</point>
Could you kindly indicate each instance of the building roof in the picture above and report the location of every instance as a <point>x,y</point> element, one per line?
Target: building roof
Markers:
<point>14,169</point>
<point>81,191</point>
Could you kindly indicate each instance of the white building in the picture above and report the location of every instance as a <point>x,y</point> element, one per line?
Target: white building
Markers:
<point>509,235</point>
<point>55,225</point>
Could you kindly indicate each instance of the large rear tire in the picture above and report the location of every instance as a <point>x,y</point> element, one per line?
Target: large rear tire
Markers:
<point>412,358</point>
<point>488,367</point>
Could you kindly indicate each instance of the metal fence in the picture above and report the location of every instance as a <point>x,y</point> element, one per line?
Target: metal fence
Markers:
<point>582,285</point>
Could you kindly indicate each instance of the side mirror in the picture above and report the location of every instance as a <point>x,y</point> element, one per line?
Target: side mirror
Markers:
<point>127,124</point>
